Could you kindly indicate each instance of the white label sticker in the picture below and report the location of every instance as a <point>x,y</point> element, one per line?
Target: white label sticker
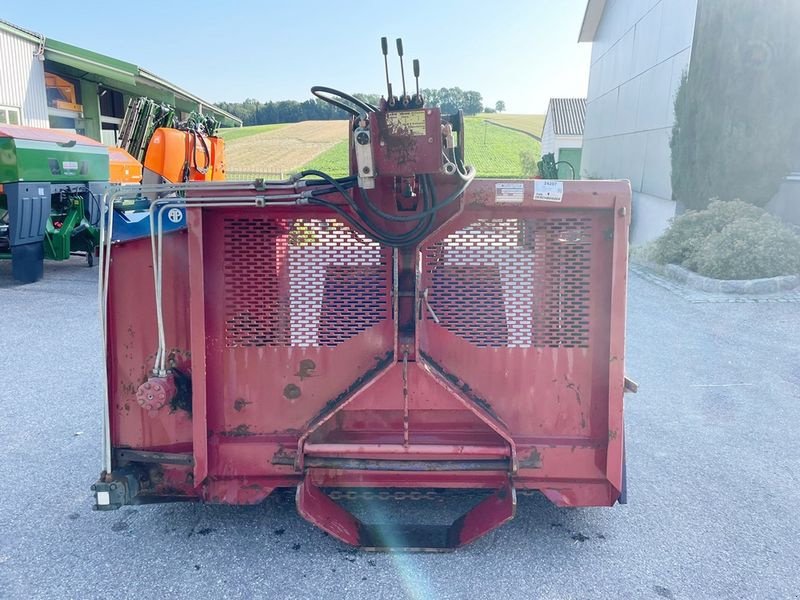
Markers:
<point>175,215</point>
<point>509,192</point>
<point>548,190</point>
<point>70,165</point>
<point>103,498</point>
<point>41,191</point>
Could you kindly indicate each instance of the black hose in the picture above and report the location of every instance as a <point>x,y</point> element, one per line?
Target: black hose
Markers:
<point>389,216</point>
<point>348,182</point>
<point>367,226</point>
<point>391,242</point>
<point>96,202</point>
<point>318,90</point>
<point>396,240</point>
<point>195,134</point>
<point>423,213</point>
<point>423,218</point>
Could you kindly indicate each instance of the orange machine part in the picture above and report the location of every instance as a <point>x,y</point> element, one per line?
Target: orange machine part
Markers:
<point>217,158</point>
<point>169,154</point>
<point>122,167</point>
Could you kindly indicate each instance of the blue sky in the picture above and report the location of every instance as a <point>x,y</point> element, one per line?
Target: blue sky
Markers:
<point>521,52</point>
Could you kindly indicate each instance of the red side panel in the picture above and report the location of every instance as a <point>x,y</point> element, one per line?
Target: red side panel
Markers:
<point>286,321</point>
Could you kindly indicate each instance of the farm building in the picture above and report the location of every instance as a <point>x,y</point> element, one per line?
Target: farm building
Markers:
<point>562,134</point>
<point>639,52</point>
<point>47,83</point>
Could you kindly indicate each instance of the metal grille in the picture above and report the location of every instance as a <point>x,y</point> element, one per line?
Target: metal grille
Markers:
<point>516,283</point>
<point>300,282</point>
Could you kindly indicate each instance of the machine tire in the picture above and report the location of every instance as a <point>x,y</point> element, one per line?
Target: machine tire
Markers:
<point>90,255</point>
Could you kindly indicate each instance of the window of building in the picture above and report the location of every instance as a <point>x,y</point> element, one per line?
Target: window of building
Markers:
<point>109,134</point>
<point>111,103</point>
<point>62,93</point>
<point>112,110</point>
<point>9,115</point>
<point>63,123</point>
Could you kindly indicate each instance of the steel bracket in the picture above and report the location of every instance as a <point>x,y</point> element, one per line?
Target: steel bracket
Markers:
<point>111,493</point>
<point>316,506</point>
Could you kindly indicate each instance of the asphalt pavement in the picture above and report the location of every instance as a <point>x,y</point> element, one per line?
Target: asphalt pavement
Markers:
<point>713,445</point>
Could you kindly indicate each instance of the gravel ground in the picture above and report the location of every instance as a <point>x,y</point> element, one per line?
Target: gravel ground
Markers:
<point>713,474</point>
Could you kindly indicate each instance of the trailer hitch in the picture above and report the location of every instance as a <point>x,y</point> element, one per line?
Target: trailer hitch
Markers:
<point>316,506</point>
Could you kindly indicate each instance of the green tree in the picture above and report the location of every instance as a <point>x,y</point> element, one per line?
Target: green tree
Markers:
<point>736,118</point>
<point>451,100</point>
<point>472,102</point>
<point>500,106</point>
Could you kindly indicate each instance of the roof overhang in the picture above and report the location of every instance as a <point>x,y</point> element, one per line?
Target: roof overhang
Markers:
<point>591,20</point>
<point>152,78</point>
<point>112,69</point>
<point>90,62</point>
<point>21,32</point>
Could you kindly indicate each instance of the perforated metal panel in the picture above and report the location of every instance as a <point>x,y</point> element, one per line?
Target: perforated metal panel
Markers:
<point>301,282</point>
<point>513,282</point>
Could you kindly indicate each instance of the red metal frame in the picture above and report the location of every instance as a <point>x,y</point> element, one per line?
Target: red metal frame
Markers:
<point>289,331</point>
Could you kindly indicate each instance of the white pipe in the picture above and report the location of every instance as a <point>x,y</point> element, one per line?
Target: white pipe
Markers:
<point>160,366</point>
<point>111,195</point>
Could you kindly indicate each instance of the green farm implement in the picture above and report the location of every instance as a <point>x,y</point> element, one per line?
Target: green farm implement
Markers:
<point>51,184</point>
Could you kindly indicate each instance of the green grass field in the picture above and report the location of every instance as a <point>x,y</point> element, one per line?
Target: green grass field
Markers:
<point>235,133</point>
<point>530,123</point>
<point>334,161</point>
<point>495,152</point>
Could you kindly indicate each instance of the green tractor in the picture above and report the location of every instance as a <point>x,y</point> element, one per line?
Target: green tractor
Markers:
<point>51,188</point>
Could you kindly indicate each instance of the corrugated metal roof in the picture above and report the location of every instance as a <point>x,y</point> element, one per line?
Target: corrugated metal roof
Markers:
<point>568,115</point>
<point>26,34</point>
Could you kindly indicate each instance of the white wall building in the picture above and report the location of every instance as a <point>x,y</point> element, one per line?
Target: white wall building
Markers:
<point>640,50</point>
<point>562,133</point>
<point>47,83</point>
<point>23,98</point>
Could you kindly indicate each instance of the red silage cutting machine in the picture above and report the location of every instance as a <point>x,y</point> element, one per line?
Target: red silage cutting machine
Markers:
<point>409,326</point>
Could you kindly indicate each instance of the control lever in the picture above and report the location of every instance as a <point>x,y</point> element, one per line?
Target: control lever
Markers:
<point>417,97</point>
<point>405,99</point>
<point>385,50</point>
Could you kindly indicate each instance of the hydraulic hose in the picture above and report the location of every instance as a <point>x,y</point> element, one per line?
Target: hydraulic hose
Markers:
<point>366,226</point>
<point>419,231</point>
<point>467,179</point>
<point>195,134</point>
<point>366,107</point>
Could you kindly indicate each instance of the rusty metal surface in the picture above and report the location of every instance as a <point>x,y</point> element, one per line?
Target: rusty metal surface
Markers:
<point>357,464</point>
<point>406,150</point>
<point>162,458</point>
<point>287,329</point>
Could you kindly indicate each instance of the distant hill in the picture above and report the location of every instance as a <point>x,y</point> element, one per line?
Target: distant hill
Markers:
<point>274,149</point>
<point>235,133</point>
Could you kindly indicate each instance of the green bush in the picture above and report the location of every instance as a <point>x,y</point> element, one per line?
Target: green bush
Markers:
<point>528,160</point>
<point>730,240</point>
<point>681,241</point>
<point>749,249</point>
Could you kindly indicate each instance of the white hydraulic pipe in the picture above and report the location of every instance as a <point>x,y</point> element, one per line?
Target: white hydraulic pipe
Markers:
<point>110,197</point>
